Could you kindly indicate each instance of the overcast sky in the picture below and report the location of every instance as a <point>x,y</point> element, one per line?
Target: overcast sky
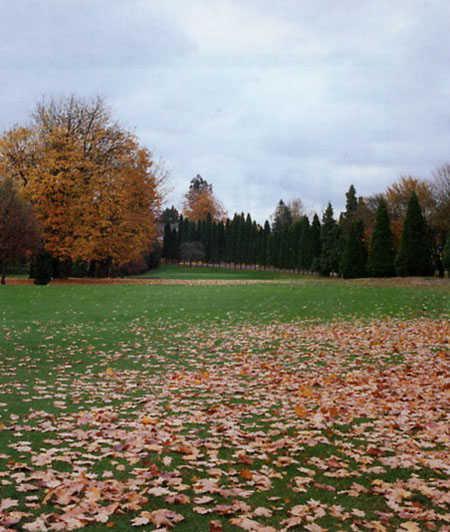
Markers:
<point>266,100</point>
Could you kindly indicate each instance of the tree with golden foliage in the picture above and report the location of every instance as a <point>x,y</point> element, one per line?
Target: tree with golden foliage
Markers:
<point>95,190</point>
<point>200,201</point>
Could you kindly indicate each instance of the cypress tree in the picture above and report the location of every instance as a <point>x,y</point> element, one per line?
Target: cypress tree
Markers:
<point>316,245</point>
<point>354,258</point>
<point>329,256</point>
<point>382,253</point>
<point>351,204</point>
<point>305,245</point>
<point>415,253</point>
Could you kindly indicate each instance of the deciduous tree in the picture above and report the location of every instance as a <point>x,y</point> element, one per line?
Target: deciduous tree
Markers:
<point>200,201</point>
<point>95,190</point>
<point>19,233</point>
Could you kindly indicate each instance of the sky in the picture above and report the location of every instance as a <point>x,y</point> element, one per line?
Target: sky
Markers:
<point>266,100</point>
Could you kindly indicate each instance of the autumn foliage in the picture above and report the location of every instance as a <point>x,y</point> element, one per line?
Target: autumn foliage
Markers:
<point>200,201</point>
<point>94,189</point>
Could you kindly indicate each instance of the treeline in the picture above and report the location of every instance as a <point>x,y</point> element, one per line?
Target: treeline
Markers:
<point>365,240</point>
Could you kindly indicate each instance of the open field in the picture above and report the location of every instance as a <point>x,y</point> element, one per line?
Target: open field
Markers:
<point>302,405</point>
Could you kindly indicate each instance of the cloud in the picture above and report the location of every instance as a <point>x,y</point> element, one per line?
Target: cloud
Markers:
<point>265,100</point>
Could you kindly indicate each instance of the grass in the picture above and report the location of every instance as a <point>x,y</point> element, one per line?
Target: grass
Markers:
<point>52,338</point>
<point>172,271</point>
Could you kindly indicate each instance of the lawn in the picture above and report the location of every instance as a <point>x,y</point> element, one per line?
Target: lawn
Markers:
<point>172,271</point>
<point>303,405</point>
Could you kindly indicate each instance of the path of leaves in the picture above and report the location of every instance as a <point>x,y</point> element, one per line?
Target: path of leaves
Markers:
<point>309,427</point>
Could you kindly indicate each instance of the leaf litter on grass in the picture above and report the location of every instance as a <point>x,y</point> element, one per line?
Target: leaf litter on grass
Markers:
<point>312,426</point>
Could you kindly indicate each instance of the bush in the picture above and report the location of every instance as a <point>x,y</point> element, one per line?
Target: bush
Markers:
<point>42,268</point>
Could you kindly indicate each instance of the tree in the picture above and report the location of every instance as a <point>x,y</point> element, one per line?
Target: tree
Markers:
<point>398,195</point>
<point>354,259</point>
<point>170,216</point>
<point>329,256</point>
<point>41,268</point>
<point>296,209</point>
<point>200,201</point>
<point>382,253</point>
<point>282,217</point>
<point>316,244</point>
<point>351,204</point>
<point>415,253</point>
<point>446,255</point>
<point>192,251</point>
<point>440,187</point>
<point>19,234</point>
<point>95,190</point>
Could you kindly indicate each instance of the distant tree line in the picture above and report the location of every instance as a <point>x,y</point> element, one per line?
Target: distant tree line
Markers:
<point>381,236</point>
<point>80,196</point>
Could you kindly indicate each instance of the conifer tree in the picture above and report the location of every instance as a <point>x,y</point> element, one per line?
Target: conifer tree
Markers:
<point>329,256</point>
<point>415,253</point>
<point>316,244</point>
<point>354,259</point>
<point>382,253</point>
<point>446,255</point>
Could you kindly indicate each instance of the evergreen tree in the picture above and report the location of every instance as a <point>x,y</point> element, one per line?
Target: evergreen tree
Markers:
<point>282,217</point>
<point>351,204</point>
<point>415,253</point>
<point>446,255</point>
<point>329,256</point>
<point>41,268</point>
<point>382,253</point>
<point>305,245</point>
<point>354,258</point>
<point>316,244</point>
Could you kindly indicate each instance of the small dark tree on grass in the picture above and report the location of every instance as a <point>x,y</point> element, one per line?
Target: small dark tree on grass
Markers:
<point>19,233</point>
<point>42,268</point>
<point>415,253</point>
<point>382,253</point>
<point>192,251</point>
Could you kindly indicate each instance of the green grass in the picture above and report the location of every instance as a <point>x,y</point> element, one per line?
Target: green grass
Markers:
<point>173,271</point>
<point>52,336</point>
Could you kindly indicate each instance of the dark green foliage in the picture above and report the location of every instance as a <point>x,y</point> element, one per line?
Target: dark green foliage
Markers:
<point>170,216</point>
<point>42,268</point>
<point>354,259</point>
<point>382,253</point>
<point>446,254</point>
<point>351,204</point>
<point>282,217</point>
<point>329,256</point>
<point>415,253</point>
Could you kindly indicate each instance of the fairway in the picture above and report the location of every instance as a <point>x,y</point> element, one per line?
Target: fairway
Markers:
<point>296,404</point>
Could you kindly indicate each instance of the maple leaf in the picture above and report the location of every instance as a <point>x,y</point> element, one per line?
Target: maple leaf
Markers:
<point>249,524</point>
<point>164,517</point>
<point>7,503</point>
<point>301,411</point>
<point>410,526</point>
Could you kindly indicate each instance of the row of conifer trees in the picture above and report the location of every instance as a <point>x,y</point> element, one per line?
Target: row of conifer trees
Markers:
<point>327,246</point>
